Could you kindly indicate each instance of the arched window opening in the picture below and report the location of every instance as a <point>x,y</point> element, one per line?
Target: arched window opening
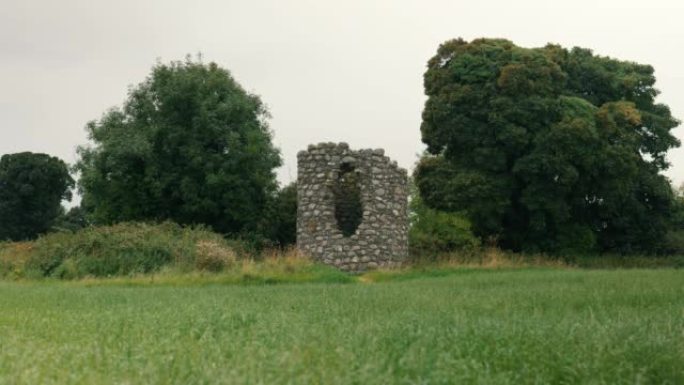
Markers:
<point>347,195</point>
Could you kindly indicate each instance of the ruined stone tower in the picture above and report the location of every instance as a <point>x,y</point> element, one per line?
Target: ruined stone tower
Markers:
<point>351,207</point>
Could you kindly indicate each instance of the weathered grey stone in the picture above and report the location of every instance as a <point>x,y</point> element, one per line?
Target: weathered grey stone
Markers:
<point>381,227</point>
<point>349,159</point>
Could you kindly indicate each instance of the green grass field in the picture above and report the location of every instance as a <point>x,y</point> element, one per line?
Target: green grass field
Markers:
<point>524,326</point>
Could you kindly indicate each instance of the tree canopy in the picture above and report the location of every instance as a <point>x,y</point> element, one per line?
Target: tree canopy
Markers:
<point>32,187</point>
<point>546,149</point>
<point>189,144</point>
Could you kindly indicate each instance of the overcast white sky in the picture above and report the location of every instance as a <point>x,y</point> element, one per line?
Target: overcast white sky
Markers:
<point>329,70</point>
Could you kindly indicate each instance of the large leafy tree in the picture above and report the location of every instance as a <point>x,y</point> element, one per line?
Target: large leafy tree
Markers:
<point>32,187</point>
<point>546,149</point>
<point>189,144</point>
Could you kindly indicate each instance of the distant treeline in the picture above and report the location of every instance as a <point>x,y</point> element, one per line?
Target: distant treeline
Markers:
<point>547,150</point>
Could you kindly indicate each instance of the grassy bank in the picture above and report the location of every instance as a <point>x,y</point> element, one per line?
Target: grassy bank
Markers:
<point>474,326</point>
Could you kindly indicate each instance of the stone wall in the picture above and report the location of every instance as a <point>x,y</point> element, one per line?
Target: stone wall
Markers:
<point>351,207</point>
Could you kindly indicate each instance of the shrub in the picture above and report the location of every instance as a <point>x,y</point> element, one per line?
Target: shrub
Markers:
<point>674,242</point>
<point>213,256</point>
<point>13,257</point>
<point>279,225</point>
<point>128,248</point>
<point>434,232</point>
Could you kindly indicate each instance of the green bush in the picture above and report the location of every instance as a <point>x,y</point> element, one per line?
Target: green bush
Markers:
<point>13,257</point>
<point>128,248</point>
<point>674,243</point>
<point>434,232</point>
<point>279,225</point>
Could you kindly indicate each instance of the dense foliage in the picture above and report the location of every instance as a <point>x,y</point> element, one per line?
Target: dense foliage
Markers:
<point>127,248</point>
<point>547,149</point>
<point>145,253</point>
<point>72,220</point>
<point>674,240</point>
<point>189,145</point>
<point>434,232</point>
<point>32,187</point>
<point>280,222</point>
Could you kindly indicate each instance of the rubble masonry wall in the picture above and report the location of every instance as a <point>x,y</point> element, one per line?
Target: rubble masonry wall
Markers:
<point>332,181</point>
